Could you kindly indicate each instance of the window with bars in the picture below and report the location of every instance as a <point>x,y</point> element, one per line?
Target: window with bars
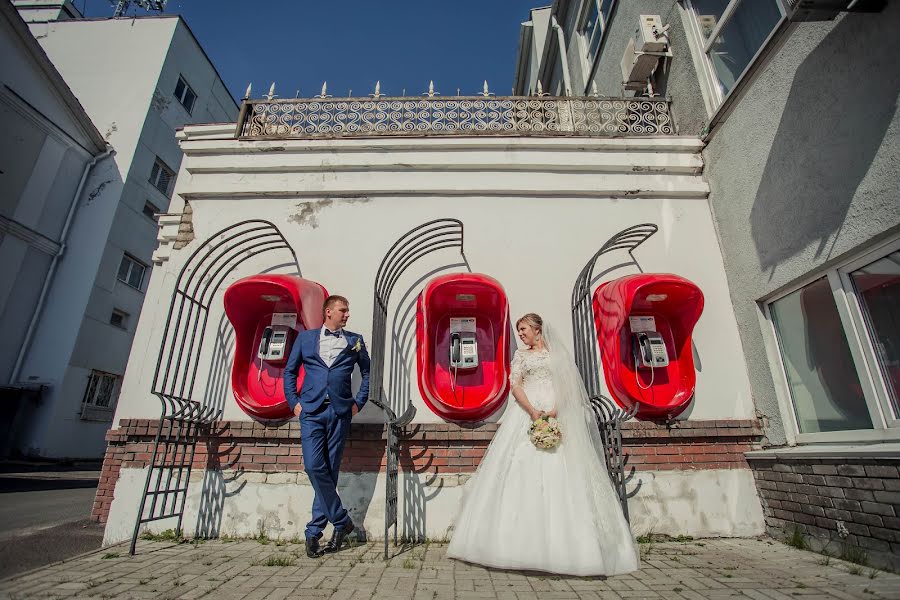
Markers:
<point>101,392</point>
<point>161,177</point>
<point>131,271</point>
<point>185,95</point>
<point>838,337</point>
<point>732,33</point>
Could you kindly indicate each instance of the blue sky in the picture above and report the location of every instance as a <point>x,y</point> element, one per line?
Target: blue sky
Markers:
<point>298,44</point>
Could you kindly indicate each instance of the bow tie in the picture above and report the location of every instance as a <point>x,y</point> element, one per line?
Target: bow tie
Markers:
<point>336,334</point>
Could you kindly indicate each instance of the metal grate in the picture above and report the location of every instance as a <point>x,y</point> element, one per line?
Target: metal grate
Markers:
<point>340,117</point>
<point>410,247</point>
<point>609,416</point>
<point>183,420</point>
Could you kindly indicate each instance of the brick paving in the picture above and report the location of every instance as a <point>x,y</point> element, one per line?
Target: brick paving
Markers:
<point>761,569</point>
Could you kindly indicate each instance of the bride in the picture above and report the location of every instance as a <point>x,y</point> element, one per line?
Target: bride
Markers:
<point>544,510</point>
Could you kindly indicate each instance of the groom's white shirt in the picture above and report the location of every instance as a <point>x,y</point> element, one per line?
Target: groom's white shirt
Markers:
<point>330,346</point>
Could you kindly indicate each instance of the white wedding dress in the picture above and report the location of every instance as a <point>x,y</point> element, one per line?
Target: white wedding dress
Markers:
<point>544,510</point>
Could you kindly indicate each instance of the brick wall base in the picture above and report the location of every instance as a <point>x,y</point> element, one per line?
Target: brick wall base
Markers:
<point>439,449</point>
<point>837,504</point>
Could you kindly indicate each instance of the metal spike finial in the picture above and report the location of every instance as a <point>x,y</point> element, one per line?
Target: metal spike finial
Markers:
<point>485,91</point>
<point>247,93</point>
<point>594,91</point>
<point>540,89</point>
<point>431,93</point>
<point>324,93</point>
<point>271,93</point>
<point>377,93</point>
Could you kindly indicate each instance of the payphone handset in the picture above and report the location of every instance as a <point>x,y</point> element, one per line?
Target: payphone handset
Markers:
<point>648,346</point>
<point>463,346</point>
<point>276,338</point>
<point>463,343</point>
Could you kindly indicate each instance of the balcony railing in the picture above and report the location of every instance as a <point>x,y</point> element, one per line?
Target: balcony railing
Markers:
<point>304,118</point>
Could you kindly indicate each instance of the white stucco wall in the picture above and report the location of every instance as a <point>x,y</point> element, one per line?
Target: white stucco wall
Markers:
<point>534,211</point>
<point>717,503</point>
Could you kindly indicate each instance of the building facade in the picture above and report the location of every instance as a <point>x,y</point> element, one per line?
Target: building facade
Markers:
<point>800,128</point>
<point>139,79</point>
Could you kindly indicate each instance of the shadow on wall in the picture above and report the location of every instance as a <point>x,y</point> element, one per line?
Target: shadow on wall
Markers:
<point>840,105</point>
<point>401,382</point>
<point>218,389</point>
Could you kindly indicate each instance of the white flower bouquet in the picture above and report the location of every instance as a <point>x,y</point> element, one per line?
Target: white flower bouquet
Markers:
<point>545,433</point>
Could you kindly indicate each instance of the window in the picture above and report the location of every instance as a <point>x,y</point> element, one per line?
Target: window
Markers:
<point>185,95</point>
<point>100,397</point>
<point>877,288</point>
<point>839,342</point>
<point>131,271</point>
<point>161,177</point>
<point>101,390</point>
<point>118,318</point>
<point>732,33</point>
<point>593,26</point>
<point>151,211</point>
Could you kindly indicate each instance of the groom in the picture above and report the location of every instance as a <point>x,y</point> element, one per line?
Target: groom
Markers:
<point>325,405</point>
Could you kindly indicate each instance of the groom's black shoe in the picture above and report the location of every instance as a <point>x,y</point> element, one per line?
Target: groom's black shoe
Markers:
<point>312,548</point>
<point>338,537</point>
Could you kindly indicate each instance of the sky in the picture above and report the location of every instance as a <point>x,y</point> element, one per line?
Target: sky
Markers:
<point>351,44</point>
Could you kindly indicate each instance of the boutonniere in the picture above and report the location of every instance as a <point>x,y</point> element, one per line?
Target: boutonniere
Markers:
<point>358,346</point>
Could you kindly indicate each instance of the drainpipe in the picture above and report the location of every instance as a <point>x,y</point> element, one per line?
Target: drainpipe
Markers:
<point>563,56</point>
<point>51,272</point>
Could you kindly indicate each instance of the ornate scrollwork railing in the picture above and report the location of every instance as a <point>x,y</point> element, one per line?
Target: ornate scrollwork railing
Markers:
<point>345,117</point>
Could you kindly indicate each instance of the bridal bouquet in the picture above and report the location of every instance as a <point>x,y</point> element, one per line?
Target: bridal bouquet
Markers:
<point>545,433</point>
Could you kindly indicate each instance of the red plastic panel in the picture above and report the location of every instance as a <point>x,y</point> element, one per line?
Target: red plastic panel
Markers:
<point>249,305</point>
<point>676,305</point>
<point>480,391</point>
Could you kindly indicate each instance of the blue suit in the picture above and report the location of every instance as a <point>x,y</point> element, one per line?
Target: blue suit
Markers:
<point>324,428</point>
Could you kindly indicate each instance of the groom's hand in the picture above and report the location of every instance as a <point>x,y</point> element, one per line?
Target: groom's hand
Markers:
<point>354,410</point>
<point>297,409</point>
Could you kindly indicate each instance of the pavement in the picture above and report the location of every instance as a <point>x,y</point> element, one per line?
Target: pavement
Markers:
<point>762,569</point>
<point>44,515</point>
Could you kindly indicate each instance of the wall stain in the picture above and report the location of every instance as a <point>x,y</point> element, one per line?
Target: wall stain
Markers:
<point>309,211</point>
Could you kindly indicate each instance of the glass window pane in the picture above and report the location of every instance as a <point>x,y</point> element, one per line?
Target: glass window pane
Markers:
<point>878,288</point>
<point>822,378</point>
<point>154,173</point>
<point>189,98</point>
<point>595,43</point>
<point>741,38</point>
<point>708,14</point>
<point>179,88</point>
<point>605,9</point>
<point>90,390</point>
<point>591,20</point>
<point>123,269</point>
<point>137,276</point>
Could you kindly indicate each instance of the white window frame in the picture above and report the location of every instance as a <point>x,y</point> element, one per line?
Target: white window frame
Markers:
<point>133,261</point>
<point>709,80</point>
<point>181,99</point>
<point>585,39</point>
<point>884,426</point>
<point>155,181</point>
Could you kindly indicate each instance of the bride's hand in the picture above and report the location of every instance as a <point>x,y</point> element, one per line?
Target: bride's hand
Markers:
<point>552,413</point>
<point>536,415</point>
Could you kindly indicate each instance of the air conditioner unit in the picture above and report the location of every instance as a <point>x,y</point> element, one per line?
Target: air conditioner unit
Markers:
<point>826,10</point>
<point>643,51</point>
